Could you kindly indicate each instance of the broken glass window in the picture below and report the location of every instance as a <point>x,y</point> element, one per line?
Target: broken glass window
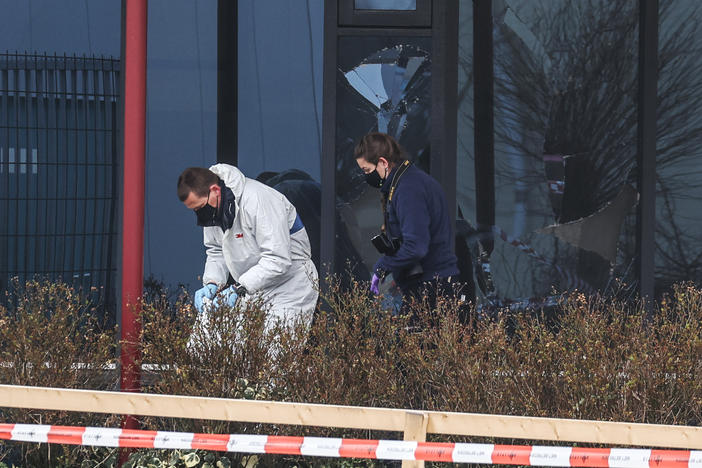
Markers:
<point>383,84</point>
<point>394,84</point>
<point>565,146</point>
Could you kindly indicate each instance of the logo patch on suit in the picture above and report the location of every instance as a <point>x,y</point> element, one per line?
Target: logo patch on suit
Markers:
<point>239,235</point>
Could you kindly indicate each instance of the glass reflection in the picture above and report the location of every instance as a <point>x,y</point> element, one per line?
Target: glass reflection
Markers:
<point>679,139</point>
<point>565,146</point>
<point>385,4</point>
<point>383,84</point>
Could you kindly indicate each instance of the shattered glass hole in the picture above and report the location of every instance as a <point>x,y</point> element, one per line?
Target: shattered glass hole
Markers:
<point>392,81</point>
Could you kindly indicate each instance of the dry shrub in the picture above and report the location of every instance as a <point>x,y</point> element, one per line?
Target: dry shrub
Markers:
<point>608,360</point>
<point>592,358</point>
<point>600,359</point>
<point>50,338</point>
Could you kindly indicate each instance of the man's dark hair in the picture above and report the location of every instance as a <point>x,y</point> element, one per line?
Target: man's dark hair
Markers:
<point>375,145</point>
<point>196,180</point>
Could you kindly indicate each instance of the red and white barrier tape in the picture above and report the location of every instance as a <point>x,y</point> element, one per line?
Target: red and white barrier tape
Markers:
<point>356,448</point>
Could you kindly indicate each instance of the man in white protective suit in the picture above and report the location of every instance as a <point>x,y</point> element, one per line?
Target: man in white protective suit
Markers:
<point>253,233</point>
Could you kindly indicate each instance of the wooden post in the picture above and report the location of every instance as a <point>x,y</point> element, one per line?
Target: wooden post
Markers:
<point>415,429</point>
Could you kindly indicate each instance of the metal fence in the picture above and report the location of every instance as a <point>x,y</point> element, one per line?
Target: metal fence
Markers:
<point>59,176</point>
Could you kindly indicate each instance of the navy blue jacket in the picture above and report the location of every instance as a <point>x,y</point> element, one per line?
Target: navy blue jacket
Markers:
<point>418,213</point>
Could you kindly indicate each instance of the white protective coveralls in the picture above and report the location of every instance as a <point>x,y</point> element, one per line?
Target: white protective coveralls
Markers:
<point>260,252</point>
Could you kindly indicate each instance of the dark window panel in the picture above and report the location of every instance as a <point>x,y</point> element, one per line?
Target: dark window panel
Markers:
<point>678,179</point>
<point>565,76</point>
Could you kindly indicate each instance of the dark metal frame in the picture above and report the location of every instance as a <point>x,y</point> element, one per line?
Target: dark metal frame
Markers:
<point>444,105</point>
<point>646,146</point>
<point>328,160</point>
<point>483,109</point>
<point>349,16</point>
<point>444,34</point>
<point>227,82</point>
<point>43,100</point>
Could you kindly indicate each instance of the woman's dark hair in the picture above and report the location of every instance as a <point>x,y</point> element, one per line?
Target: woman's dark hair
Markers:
<point>376,145</point>
<point>196,180</point>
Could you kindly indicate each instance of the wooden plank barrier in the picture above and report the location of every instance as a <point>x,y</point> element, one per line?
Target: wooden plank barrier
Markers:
<point>414,424</point>
<point>415,429</point>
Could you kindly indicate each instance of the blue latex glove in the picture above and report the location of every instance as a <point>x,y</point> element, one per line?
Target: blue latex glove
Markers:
<point>375,282</point>
<point>226,296</point>
<point>208,291</point>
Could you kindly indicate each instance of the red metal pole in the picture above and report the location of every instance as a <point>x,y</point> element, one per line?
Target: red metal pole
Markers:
<point>133,211</point>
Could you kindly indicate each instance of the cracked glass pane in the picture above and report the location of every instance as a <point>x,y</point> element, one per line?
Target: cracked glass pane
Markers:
<point>383,84</point>
<point>565,146</point>
<point>392,80</point>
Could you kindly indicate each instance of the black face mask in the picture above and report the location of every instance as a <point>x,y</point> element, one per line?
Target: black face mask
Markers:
<point>207,215</point>
<point>373,178</point>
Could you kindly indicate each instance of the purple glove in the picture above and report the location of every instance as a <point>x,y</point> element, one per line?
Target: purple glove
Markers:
<point>374,284</point>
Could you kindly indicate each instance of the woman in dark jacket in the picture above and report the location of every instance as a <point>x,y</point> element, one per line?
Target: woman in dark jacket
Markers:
<point>416,239</point>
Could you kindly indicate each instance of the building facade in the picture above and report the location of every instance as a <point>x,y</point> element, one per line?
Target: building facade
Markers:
<point>569,158</point>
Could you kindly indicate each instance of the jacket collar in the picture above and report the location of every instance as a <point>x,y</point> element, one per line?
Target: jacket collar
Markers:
<point>387,183</point>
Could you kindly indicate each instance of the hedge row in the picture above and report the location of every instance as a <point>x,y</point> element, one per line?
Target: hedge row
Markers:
<point>589,358</point>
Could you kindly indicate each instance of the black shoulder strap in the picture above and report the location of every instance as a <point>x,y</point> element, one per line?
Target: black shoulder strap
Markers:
<point>395,180</point>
